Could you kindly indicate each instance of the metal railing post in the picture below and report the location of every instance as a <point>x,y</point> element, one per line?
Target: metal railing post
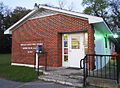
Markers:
<point>34,59</point>
<point>46,61</point>
<point>118,67</point>
<point>38,66</point>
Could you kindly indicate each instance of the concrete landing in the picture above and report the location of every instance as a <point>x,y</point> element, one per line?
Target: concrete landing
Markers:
<point>104,83</point>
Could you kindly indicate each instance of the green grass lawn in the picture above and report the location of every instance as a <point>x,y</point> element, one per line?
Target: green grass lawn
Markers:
<point>15,73</point>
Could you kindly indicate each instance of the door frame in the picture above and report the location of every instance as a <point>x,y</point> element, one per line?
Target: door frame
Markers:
<point>67,63</point>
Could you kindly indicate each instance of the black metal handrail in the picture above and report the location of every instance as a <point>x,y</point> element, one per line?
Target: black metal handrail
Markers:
<point>85,73</point>
<point>100,66</point>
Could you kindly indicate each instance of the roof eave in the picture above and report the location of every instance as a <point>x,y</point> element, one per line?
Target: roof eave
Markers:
<point>107,27</point>
<point>91,19</point>
<point>8,31</point>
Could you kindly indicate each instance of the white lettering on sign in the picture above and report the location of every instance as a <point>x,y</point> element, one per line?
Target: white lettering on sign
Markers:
<point>30,51</point>
<point>29,47</point>
<point>31,44</point>
<point>24,48</point>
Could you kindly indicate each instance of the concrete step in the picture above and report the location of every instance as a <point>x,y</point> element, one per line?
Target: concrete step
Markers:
<point>74,78</point>
<point>67,80</point>
<point>105,83</point>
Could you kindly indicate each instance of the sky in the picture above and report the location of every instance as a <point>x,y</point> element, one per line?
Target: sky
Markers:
<point>29,4</point>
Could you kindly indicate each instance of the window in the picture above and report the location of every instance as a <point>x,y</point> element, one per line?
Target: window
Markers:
<point>110,44</point>
<point>65,47</point>
<point>65,43</point>
<point>65,40</point>
<point>105,42</point>
<point>75,43</point>
<point>65,50</point>
<point>65,57</point>
<point>86,42</point>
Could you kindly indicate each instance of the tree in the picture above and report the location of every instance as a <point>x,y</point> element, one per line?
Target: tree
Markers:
<point>3,13</point>
<point>16,15</point>
<point>5,41</point>
<point>115,15</point>
<point>109,10</point>
<point>96,7</point>
<point>8,18</point>
<point>62,4</point>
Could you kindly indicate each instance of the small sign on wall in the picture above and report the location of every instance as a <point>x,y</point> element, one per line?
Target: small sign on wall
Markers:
<point>29,47</point>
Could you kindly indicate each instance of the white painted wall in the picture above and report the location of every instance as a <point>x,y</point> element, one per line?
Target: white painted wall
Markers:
<point>101,49</point>
<point>100,44</point>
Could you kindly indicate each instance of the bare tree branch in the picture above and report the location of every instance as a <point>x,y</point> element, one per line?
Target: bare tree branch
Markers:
<point>71,6</point>
<point>61,4</point>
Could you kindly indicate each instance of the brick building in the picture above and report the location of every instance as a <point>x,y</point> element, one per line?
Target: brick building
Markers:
<point>66,36</point>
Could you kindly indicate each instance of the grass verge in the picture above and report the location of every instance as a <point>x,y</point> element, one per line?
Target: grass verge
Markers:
<point>15,73</point>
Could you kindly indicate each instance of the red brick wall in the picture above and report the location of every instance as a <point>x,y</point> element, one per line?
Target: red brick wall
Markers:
<point>47,30</point>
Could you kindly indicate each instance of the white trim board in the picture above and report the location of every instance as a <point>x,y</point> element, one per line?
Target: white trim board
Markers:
<point>91,19</point>
<point>26,65</point>
<point>43,16</point>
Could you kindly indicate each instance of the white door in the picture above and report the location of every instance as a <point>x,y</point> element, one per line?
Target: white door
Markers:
<point>76,49</point>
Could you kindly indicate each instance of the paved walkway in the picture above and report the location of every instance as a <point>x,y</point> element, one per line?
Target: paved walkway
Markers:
<point>35,84</point>
<point>41,84</point>
<point>9,84</point>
